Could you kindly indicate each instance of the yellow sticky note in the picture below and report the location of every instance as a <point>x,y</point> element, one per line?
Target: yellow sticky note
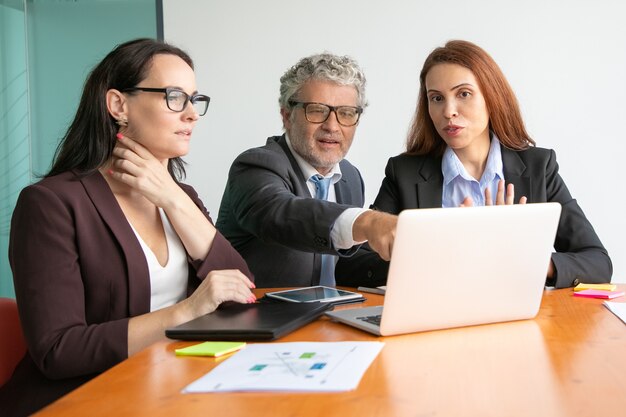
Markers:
<point>603,287</point>
<point>210,349</point>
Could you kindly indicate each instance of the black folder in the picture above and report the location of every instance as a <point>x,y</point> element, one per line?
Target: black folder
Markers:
<point>258,321</point>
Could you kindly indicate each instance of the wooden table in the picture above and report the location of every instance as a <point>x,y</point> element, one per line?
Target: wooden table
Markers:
<point>569,361</point>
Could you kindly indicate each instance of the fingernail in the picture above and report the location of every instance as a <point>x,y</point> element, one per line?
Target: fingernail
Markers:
<point>119,136</point>
<point>110,172</point>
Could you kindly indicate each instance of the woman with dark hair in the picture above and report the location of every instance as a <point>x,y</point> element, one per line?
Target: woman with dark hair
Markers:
<point>110,249</point>
<point>466,140</point>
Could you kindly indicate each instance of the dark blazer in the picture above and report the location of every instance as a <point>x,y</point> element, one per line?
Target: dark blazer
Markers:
<point>268,215</point>
<point>417,182</point>
<point>79,275</point>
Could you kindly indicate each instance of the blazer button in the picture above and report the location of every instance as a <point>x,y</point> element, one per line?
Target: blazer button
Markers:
<point>576,282</point>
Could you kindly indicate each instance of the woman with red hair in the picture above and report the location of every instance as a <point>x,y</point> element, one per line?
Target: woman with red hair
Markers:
<point>468,146</point>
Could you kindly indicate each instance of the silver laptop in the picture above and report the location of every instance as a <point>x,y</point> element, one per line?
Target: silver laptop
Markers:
<point>454,267</point>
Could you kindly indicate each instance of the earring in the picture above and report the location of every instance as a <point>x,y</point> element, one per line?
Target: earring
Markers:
<point>122,122</point>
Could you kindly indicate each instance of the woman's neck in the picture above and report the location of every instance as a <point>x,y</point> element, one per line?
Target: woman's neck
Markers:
<point>474,158</point>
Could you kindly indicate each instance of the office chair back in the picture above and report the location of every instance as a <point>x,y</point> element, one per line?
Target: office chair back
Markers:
<point>12,345</point>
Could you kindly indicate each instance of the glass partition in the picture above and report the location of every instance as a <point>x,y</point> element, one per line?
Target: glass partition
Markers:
<point>14,125</point>
<point>47,49</point>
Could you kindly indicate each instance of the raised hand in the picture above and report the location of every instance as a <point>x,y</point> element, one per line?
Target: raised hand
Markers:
<point>500,199</point>
<point>135,166</point>
<point>500,196</point>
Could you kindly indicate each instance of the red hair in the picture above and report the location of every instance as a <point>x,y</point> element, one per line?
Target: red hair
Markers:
<point>505,118</point>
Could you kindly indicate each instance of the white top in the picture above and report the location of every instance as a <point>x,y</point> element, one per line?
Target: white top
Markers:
<point>168,284</point>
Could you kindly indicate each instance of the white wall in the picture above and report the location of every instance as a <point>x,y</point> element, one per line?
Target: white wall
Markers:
<point>566,60</point>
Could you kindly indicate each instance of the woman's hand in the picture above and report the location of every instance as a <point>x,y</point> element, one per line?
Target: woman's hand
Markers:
<point>136,167</point>
<point>217,287</point>
<point>500,199</point>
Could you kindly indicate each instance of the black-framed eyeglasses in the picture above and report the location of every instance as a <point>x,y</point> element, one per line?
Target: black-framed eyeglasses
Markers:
<point>319,112</point>
<point>177,99</point>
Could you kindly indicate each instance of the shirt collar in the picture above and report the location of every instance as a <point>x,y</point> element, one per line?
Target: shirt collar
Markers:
<point>494,167</point>
<point>452,167</point>
<point>308,170</point>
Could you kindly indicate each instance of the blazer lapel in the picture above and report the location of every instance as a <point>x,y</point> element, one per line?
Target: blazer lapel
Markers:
<point>514,169</point>
<point>137,267</point>
<point>301,190</point>
<point>430,184</point>
<point>300,187</point>
<point>341,189</point>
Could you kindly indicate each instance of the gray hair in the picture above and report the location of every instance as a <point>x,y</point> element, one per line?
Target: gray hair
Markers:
<point>342,70</point>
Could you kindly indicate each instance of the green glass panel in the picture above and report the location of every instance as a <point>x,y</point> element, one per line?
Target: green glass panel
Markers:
<point>14,135</point>
<point>47,48</point>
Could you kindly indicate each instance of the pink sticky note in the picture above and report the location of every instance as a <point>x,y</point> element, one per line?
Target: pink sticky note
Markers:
<point>599,293</point>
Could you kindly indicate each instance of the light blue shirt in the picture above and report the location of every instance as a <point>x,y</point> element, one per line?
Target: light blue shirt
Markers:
<point>458,184</point>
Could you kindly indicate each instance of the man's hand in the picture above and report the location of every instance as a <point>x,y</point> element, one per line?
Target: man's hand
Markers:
<point>379,229</point>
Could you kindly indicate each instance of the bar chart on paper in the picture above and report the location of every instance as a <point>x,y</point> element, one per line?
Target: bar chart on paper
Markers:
<point>300,366</point>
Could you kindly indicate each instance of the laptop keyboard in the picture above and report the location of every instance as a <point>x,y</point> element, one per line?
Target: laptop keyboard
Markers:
<point>375,320</point>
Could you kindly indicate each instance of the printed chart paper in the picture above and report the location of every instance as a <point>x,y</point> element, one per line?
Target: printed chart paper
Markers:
<point>298,366</point>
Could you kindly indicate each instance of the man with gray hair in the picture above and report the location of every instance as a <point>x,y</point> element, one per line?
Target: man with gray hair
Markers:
<point>293,207</point>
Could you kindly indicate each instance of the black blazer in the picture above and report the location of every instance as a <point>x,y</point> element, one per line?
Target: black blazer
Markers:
<point>413,181</point>
<point>268,215</point>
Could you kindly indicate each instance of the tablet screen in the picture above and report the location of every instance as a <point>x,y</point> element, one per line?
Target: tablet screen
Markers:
<point>310,294</point>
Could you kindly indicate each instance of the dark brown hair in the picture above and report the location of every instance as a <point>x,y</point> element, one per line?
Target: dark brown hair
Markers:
<point>90,139</point>
<point>505,118</point>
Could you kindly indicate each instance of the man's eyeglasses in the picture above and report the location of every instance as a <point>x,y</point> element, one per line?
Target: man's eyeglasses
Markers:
<point>177,100</point>
<point>319,112</point>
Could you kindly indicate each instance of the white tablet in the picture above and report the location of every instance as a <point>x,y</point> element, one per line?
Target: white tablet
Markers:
<point>313,294</point>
